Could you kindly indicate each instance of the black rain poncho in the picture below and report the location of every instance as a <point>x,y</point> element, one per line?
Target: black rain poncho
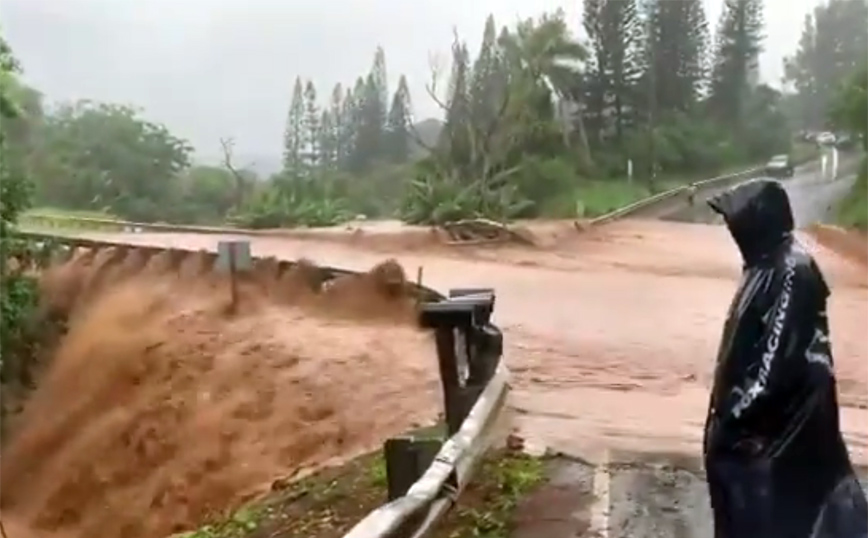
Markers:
<point>775,459</point>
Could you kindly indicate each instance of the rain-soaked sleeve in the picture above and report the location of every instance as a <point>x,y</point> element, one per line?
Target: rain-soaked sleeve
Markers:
<point>777,360</point>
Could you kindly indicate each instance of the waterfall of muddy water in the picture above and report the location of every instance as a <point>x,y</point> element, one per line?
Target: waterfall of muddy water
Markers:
<point>160,410</point>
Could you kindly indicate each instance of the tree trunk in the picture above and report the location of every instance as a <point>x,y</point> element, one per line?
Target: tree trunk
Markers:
<point>583,137</point>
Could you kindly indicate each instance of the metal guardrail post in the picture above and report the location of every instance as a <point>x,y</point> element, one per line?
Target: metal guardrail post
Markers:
<point>464,335</point>
<point>466,346</point>
<point>407,459</point>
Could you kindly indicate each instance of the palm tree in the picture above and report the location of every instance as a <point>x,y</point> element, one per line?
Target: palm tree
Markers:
<point>545,51</point>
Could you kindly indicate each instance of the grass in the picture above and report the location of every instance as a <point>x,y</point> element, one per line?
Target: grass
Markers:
<point>79,213</point>
<point>329,503</point>
<point>598,197</point>
<point>853,211</point>
<point>487,507</point>
<point>33,220</point>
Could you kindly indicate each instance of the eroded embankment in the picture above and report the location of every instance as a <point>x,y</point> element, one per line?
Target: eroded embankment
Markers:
<point>160,408</point>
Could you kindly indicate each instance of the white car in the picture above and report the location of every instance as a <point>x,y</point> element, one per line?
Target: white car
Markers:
<point>780,166</point>
<point>826,139</point>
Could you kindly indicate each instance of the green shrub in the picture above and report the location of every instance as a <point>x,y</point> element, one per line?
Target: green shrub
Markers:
<point>853,211</point>
<point>292,201</point>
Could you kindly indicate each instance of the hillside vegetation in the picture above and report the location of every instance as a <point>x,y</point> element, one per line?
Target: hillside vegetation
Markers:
<point>850,112</point>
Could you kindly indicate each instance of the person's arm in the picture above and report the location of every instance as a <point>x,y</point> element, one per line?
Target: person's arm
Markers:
<point>777,360</point>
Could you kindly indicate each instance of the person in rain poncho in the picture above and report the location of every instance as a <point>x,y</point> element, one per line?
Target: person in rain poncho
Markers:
<point>775,459</point>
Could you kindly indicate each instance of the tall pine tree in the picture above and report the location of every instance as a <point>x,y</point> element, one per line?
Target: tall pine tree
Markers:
<point>800,70</point>
<point>349,129</point>
<point>834,44</point>
<point>675,58</point>
<point>328,139</point>
<point>373,102</point>
<point>488,78</point>
<point>363,130</point>
<point>311,126</point>
<point>596,85</point>
<point>399,124</point>
<point>455,136</point>
<point>616,36</point>
<point>381,80</point>
<point>339,120</point>
<point>738,46</point>
<point>293,134</point>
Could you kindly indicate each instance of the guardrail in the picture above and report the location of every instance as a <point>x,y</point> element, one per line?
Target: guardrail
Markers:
<point>655,201</point>
<point>48,246</point>
<point>659,204</point>
<point>475,386</point>
<point>425,475</point>
<point>52,221</point>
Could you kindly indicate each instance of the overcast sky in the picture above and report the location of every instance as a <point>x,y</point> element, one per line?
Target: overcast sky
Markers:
<point>225,68</point>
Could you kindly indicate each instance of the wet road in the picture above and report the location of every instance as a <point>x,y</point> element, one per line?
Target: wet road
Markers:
<point>814,200</point>
<point>652,499</point>
<point>813,195</point>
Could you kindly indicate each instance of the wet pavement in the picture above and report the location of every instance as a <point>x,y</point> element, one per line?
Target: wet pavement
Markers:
<point>813,196</point>
<point>650,499</point>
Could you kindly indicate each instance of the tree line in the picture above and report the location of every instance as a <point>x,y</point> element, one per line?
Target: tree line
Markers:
<point>535,122</point>
<point>828,74</point>
<point>832,46</point>
<point>535,113</point>
<point>358,127</point>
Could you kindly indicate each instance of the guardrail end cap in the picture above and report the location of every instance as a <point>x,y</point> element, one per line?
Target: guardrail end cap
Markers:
<point>457,311</point>
<point>462,292</point>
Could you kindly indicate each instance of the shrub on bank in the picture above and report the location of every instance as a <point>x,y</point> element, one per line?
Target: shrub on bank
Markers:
<point>853,211</point>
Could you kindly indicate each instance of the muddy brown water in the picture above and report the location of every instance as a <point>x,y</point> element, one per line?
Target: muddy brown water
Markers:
<point>160,410</point>
<point>610,335</point>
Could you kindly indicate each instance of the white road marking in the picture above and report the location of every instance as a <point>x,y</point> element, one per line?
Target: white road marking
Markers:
<point>600,509</point>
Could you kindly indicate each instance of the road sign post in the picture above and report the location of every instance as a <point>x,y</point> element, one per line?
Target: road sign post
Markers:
<point>233,257</point>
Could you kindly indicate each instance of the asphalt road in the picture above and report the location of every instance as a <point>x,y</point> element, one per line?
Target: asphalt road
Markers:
<point>814,200</point>
<point>625,499</point>
<point>812,196</point>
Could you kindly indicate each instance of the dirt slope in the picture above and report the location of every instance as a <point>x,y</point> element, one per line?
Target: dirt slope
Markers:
<point>160,409</point>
